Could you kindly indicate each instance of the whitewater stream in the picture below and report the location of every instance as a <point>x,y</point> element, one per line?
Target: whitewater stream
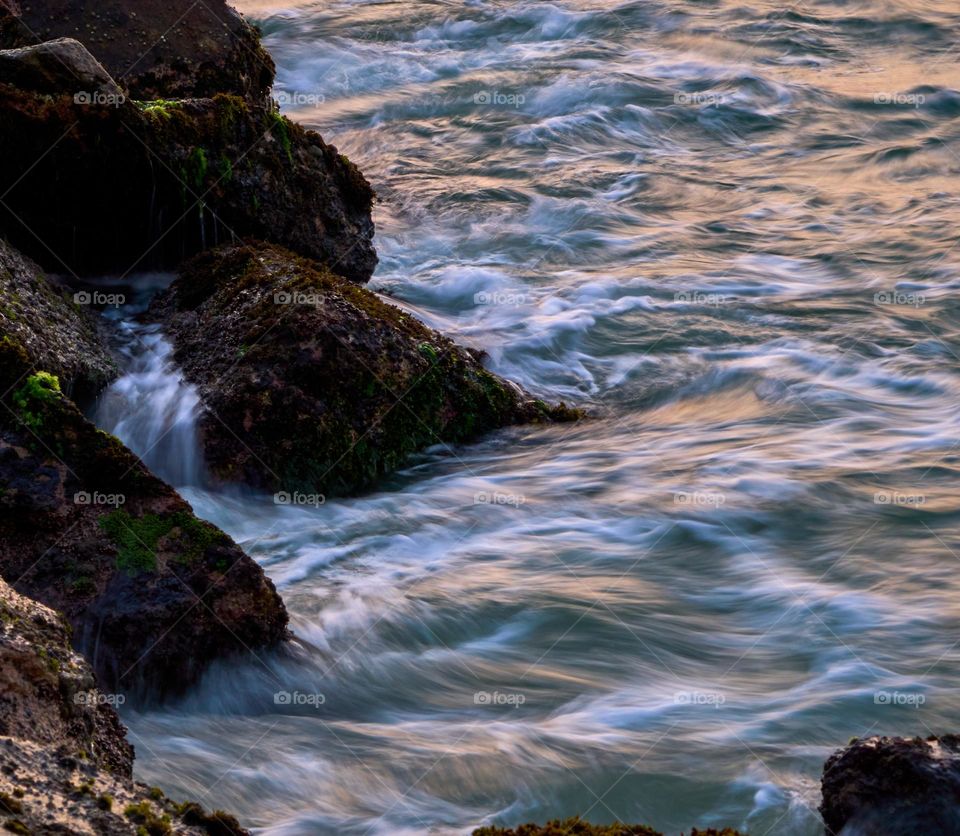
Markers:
<point>727,228</point>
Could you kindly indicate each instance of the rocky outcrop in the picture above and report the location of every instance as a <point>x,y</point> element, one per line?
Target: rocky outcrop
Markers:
<point>154,48</point>
<point>65,763</point>
<point>578,827</point>
<point>95,183</point>
<point>893,785</point>
<point>62,335</point>
<point>153,594</point>
<point>313,384</point>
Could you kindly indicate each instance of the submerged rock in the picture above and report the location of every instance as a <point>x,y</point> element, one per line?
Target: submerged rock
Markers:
<point>94,182</point>
<point>313,384</point>
<point>893,785</point>
<point>154,48</point>
<point>153,594</point>
<point>62,335</point>
<point>65,763</point>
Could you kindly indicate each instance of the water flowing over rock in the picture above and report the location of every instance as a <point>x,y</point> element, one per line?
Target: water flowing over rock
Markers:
<point>313,384</point>
<point>154,48</point>
<point>152,593</point>
<point>895,785</point>
<point>94,182</point>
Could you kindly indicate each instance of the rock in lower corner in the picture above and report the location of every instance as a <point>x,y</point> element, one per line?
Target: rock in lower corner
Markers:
<point>893,786</point>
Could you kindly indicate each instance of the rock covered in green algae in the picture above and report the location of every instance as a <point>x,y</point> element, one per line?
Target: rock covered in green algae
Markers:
<point>155,48</point>
<point>128,185</point>
<point>578,827</point>
<point>64,337</point>
<point>153,594</point>
<point>314,384</point>
<point>65,763</point>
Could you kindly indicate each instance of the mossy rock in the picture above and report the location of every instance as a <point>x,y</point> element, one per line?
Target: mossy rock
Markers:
<point>314,384</point>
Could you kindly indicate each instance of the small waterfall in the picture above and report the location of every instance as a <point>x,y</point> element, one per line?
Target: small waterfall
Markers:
<point>153,410</point>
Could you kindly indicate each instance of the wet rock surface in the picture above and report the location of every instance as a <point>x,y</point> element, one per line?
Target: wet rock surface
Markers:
<point>578,827</point>
<point>64,338</point>
<point>314,384</point>
<point>154,48</point>
<point>893,785</point>
<point>65,762</point>
<point>152,593</point>
<point>96,183</point>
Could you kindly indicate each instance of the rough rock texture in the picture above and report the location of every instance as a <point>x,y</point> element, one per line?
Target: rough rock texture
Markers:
<point>893,785</point>
<point>55,66</point>
<point>65,763</point>
<point>314,384</point>
<point>578,827</point>
<point>152,593</point>
<point>64,337</point>
<point>93,184</point>
<point>154,48</point>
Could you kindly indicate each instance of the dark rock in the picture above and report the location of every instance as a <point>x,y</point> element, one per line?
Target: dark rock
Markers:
<point>893,786</point>
<point>314,384</point>
<point>153,594</point>
<point>154,48</point>
<point>93,184</point>
<point>65,763</point>
<point>578,827</point>
<point>57,66</point>
<point>63,336</point>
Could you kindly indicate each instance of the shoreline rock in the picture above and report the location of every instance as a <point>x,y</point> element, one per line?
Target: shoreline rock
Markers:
<point>130,185</point>
<point>157,49</point>
<point>153,594</point>
<point>893,785</point>
<point>65,763</point>
<point>312,384</point>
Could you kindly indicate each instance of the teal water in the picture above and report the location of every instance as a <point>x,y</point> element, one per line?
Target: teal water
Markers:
<point>729,230</point>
